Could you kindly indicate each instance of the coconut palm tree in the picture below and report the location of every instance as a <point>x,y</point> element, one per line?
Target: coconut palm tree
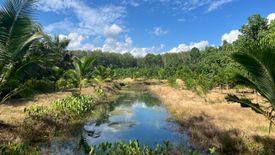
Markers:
<point>17,32</point>
<point>261,68</point>
<point>82,71</point>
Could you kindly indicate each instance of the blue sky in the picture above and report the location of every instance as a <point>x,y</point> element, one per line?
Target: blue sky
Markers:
<point>148,26</point>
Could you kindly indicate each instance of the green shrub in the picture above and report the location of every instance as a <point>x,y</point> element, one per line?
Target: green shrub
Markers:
<point>172,82</point>
<point>62,84</point>
<point>37,111</point>
<point>18,149</point>
<point>74,106</point>
<point>122,148</point>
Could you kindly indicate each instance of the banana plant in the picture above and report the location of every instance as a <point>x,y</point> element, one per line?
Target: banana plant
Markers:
<point>261,68</point>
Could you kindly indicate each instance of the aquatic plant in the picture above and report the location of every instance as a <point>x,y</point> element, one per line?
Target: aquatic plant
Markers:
<point>74,106</point>
<point>37,111</point>
<point>122,148</point>
<point>18,149</point>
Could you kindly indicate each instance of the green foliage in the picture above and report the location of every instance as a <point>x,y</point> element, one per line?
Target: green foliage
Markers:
<point>74,106</point>
<point>37,111</point>
<point>17,33</point>
<point>131,148</point>
<point>63,83</point>
<point>26,53</point>
<point>260,66</point>
<point>172,82</point>
<point>18,149</point>
<point>103,74</point>
<point>82,71</point>
<point>267,37</point>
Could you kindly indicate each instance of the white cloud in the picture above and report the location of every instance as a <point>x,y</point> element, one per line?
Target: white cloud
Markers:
<point>158,31</point>
<point>76,42</point>
<point>232,36</point>
<point>134,3</point>
<point>126,46</point>
<point>64,25</point>
<point>183,47</point>
<point>85,22</point>
<point>112,31</point>
<point>271,17</point>
<point>90,21</point>
<point>216,4</point>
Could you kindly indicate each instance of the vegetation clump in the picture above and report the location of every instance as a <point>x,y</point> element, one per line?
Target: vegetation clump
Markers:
<point>133,148</point>
<point>74,106</point>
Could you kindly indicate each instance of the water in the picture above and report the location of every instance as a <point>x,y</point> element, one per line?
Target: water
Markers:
<point>136,115</point>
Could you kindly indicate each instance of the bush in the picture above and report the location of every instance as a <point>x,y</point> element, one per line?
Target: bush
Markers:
<point>74,106</point>
<point>133,147</point>
<point>16,149</point>
<point>62,84</point>
<point>37,111</point>
<point>172,82</point>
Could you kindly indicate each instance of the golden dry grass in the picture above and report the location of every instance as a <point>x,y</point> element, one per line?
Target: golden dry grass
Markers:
<point>212,122</point>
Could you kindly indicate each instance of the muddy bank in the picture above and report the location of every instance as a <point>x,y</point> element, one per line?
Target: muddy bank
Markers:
<point>213,123</point>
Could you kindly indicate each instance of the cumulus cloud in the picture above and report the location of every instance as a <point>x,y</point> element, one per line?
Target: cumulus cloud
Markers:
<point>183,47</point>
<point>158,31</point>
<point>60,26</point>
<point>91,21</point>
<point>126,46</point>
<point>76,42</point>
<point>216,4</point>
<point>271,17</point>
<point>85,22</point>
<point>112,31</point>
<point>232,36</point>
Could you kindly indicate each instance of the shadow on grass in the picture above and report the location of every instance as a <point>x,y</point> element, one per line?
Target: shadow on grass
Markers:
<point>205,135</point>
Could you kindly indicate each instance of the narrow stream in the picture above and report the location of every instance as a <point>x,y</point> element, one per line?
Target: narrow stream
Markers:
<point>136,115</point>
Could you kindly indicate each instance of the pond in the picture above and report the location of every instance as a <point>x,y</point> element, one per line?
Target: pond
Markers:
<point>137,114</point>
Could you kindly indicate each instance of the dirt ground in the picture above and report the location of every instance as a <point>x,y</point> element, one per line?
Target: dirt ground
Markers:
<point>212,122</point>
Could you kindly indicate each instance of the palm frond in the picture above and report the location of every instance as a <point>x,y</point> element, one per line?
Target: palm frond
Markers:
<point>245,103</point>
<point>259,76</point>
<point>16,23</point>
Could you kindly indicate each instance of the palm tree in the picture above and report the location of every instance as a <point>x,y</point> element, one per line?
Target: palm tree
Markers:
<point>82,71</point>
<point>261,68</point>
<point>17,32</point>
<point>103,74</point>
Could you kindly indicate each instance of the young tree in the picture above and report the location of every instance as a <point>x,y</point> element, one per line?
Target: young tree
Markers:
<point>82,71</point>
